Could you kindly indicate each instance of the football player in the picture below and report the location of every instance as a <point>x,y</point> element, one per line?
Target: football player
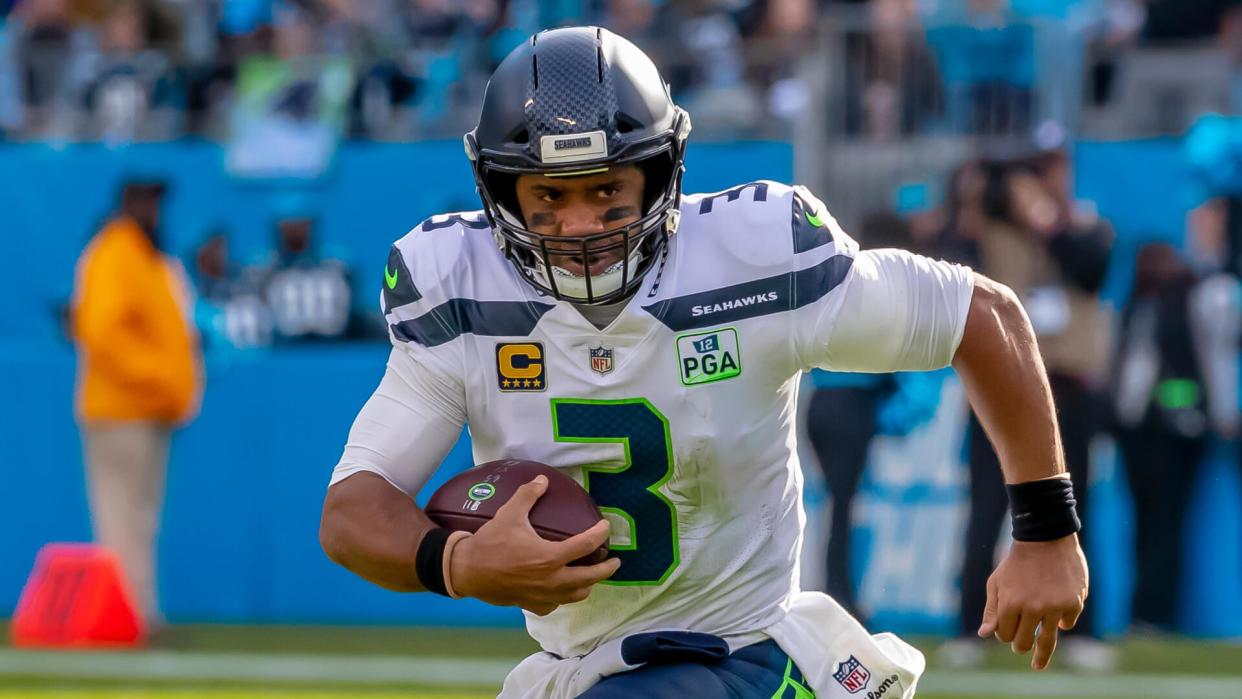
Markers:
<point>593,317</point>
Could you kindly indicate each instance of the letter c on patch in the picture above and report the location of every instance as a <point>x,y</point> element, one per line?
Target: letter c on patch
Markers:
<point>528,364</point>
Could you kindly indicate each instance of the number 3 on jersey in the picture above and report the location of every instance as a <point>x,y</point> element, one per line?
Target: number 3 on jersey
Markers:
<point>632,491</point>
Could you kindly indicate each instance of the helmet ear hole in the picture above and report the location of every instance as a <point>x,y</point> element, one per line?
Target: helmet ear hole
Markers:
<point>503,188</point>
<point>657,170</point>
<point>627,123</point>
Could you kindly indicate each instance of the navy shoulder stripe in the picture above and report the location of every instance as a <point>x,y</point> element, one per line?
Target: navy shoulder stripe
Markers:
<point>810,230</point>
<point>457,317</point>
<point>761,297</point>
<point>399,287</point>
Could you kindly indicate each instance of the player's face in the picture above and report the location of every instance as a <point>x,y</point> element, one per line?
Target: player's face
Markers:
<point>582,206</point>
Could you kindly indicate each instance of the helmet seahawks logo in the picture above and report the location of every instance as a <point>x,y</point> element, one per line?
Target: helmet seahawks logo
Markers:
<point>573,147</point>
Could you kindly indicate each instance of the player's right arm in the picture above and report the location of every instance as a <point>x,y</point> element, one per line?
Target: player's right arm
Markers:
<point>370,522</point>
<point>372,526</point>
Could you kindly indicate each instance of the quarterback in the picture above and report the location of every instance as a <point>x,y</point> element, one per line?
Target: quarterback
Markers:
<point>649,343</point>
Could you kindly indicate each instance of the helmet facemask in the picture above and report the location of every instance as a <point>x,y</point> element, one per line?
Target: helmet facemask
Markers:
<point>636,245</point>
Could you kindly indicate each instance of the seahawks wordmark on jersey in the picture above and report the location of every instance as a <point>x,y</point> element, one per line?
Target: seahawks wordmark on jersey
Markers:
<point>678,417</point>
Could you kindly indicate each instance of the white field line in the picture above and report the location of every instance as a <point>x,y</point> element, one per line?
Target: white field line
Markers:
<point>1030,684</point>
<point>453,672</point>
<point>276,668</point>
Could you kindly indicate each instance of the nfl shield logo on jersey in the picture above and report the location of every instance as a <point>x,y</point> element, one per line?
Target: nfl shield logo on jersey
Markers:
<point>601,360</point>
<point>852,675</point>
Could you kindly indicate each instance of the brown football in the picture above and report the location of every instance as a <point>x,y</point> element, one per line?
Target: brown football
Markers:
<point>471,498</point>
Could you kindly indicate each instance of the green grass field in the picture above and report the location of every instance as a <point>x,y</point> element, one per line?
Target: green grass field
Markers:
<point>230,662</point>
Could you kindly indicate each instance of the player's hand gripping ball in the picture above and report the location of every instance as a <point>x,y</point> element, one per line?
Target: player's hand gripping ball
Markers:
<point>471,498</point>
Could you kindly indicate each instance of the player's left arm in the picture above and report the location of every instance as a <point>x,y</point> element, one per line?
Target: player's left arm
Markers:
<point>1041,585</point>
<point>896,311</point>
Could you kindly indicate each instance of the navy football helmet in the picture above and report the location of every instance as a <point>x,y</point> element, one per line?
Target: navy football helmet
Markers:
<point>577,101</point>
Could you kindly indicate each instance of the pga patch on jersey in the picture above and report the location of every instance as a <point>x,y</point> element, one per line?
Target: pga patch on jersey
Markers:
<point>708,356</point>
<point>852,675</point>
<point>520,367</point>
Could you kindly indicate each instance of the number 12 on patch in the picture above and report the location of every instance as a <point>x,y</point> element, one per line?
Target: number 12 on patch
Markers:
<point>708,356</point>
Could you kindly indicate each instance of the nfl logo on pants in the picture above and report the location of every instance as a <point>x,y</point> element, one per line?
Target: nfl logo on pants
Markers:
<point>601,360</point>
<point>852,675</point>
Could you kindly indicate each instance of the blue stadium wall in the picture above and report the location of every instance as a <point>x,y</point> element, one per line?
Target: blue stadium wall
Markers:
<point>246,481</point>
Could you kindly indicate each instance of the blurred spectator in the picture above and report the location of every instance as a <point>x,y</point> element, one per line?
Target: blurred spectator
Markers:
<point>1176,384</point>
<point>139,377</point>
<point>964,219</point>
<point>892,80</point>
<point>432,19</point>
<point>1183,67</point>
<point>776,35</point>
<point>309,295</point>
<point>10,82</point>
<point>47,41</point>
<point>1178,20</point>
<point>213,272</point>
<point>1053,252</point>
<point>1213,150</point>
<point>230,312</point>
<point>987,58</point>
<point>1116,30</point>
<point>121,80</point>
<point>701,53</point>
<point>1231,41</point>
<point>290,110</point>
<point>630,18</point>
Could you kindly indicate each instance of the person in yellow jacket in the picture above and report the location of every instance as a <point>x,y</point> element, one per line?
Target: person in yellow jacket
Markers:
<point>139,377</point>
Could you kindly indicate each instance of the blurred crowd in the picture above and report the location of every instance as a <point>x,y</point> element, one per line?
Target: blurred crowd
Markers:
<point>300,293</point>
<point>1003,66</point>
<point>152,69</point>
<point>401,69</point>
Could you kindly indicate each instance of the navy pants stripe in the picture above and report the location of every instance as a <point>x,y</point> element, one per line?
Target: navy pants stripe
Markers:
<point>754,672</point>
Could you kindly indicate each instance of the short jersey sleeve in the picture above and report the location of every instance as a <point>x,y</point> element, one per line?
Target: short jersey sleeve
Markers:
<point>892,311</point>
<point>414,417</point>
<point>407,426</point>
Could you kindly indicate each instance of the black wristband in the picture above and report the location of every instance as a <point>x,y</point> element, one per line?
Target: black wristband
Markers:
<point>1043,510</point>
<point>429,562</point>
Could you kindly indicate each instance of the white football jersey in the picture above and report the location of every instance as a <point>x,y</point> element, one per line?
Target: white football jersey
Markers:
<point>679,417</point>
